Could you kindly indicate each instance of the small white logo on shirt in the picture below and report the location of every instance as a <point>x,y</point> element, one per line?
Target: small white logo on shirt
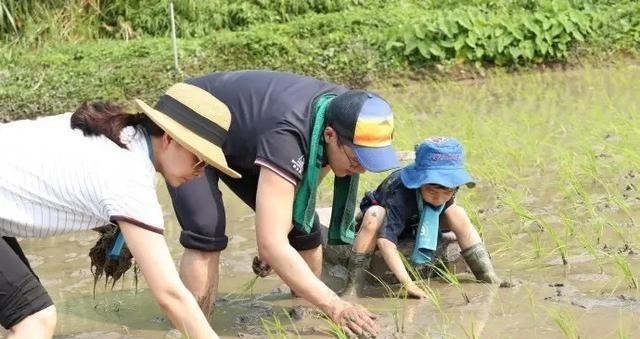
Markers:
<point>298,165</point>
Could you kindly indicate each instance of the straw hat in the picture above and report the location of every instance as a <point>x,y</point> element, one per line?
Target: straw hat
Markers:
<point>196,119</point>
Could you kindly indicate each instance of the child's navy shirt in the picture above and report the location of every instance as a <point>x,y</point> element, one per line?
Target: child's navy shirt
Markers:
<point>401,205</point>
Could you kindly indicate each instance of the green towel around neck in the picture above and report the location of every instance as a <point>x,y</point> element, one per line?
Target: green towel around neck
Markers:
<point>345,189</point>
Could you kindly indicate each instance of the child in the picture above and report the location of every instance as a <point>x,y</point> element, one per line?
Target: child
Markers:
<point>423,193</point>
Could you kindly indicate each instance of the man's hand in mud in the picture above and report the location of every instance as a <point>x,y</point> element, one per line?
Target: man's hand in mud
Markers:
<point>356,321</point>
<point>260,268</point>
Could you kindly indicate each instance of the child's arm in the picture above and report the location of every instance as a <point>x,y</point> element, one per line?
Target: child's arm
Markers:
<point>392,257</point>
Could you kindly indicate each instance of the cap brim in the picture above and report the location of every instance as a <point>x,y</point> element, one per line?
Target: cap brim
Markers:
<point>413,178</point>
<point>377,159</point>
<point>199,146</point>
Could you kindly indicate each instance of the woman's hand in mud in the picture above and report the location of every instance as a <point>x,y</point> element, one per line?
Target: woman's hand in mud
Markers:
<point>413,291</point>
<point>260,268</point>
<point>355,320</point>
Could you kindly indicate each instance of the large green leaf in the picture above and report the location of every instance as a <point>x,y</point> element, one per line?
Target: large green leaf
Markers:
<point>463,20</point>
<point>479,53</point>
<point>527,48</point>
<point>471,39</point>
<point>515,30</point>
<point>569,27</point>
<point>411,44</point>
<point>437,51</point>
<point>504,41</point>
<point>515,52</point>
<point>532,26</point>
<point>459,42</point>
<point>419,32</point>
<point>556,29</point>
<point>424,50</point>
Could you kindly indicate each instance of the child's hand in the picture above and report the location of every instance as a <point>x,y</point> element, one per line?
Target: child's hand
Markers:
<point>413,291</point>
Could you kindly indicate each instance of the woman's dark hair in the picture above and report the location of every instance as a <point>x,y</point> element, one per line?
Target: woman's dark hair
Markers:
<point>108,119</point>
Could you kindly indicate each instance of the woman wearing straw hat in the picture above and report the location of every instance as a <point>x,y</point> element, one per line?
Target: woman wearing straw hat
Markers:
<point>96,167</point>
<point>287,132</point>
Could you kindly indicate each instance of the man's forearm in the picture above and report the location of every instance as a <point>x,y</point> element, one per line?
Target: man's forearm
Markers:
<point>295,272</point>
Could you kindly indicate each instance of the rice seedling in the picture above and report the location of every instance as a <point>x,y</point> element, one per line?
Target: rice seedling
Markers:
<point>561,245</point>
<point>443,271</point>
<point>575,189</point>
<point>507,240</point>
<point>275,329</point>
<point>622,204</point>
<point>620,232</point>
<point>565,322</point>
<point>536,244</point>
<point>246,288</point>
<point>624,268</point>
<point>533,303</point>
<point>622,332</point>
<point>399,299</point>
<point>293,325</point>
<point>513,199</point>
<point>590,167</point>
<point>589,244</point>
<point>335,330</point>
<point>471,333</point>
<point>433,295</point>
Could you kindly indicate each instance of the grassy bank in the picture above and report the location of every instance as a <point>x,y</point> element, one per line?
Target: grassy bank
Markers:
<point>46,68</point>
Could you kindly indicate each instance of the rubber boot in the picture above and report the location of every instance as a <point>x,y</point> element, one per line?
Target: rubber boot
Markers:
<point>357,267</point>
<point>477,258</point>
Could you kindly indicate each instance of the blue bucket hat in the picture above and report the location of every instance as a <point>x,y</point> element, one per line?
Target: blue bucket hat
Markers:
<point>439,160</point>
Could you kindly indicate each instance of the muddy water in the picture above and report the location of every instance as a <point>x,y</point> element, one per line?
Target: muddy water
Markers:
<point>587,295</point>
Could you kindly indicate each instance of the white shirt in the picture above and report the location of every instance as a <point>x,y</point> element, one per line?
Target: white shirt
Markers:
<point>55,180</point>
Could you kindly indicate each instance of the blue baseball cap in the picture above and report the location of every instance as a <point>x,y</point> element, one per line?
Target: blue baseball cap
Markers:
<point>365,120</point>
<point>439,160</point>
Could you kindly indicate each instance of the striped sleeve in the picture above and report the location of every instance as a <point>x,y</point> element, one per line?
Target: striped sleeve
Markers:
<point>133,199</point>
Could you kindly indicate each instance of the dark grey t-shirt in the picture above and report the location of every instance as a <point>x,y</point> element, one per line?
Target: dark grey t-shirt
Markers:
<point>271,117</point>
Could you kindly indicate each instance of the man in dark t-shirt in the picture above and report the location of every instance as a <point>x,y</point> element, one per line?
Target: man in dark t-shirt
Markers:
<point>268,144</point>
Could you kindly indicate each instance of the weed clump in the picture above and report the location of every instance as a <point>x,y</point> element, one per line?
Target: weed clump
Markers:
<point>112,269</point>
